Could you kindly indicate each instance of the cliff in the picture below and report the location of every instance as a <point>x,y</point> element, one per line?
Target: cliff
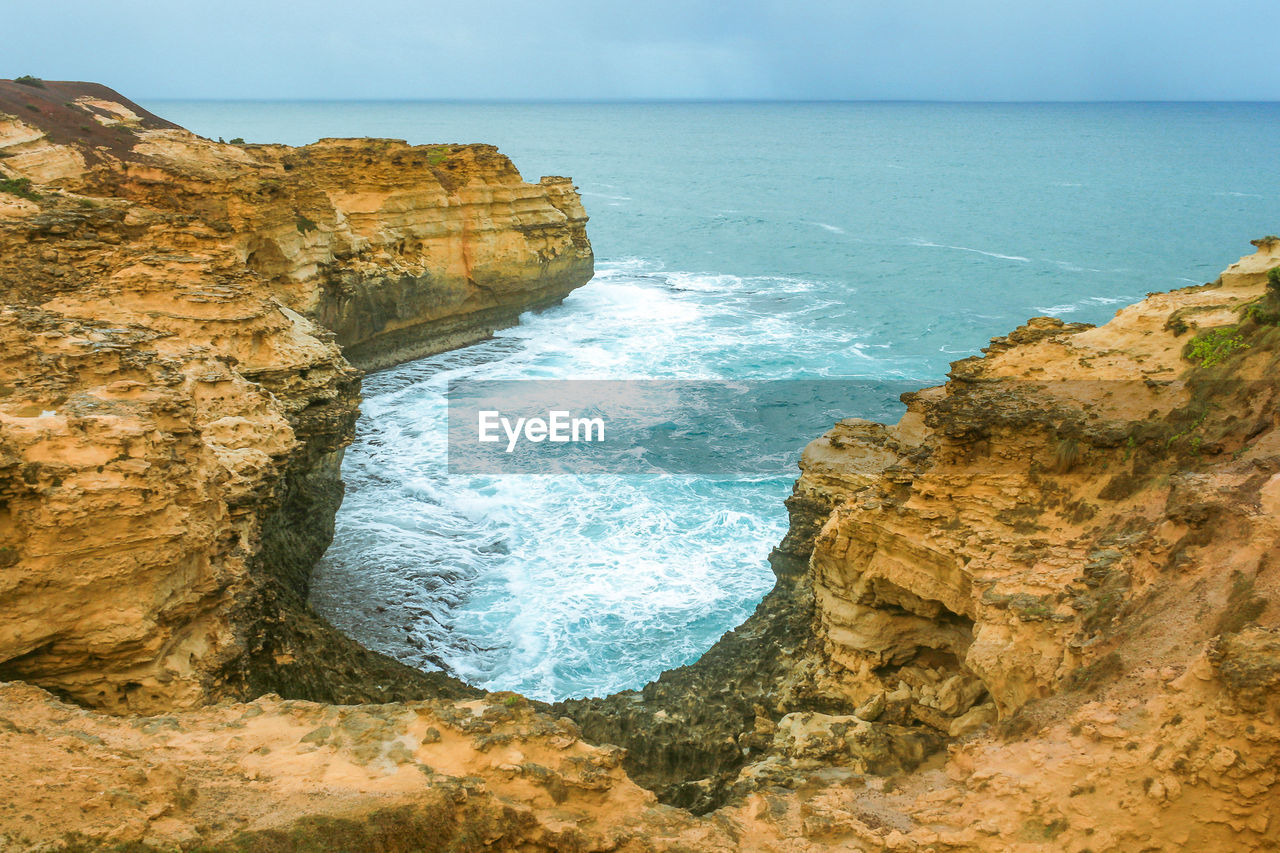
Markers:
<point>1036,614</point>
<point>1043,603</point>
<point>178,322</point>
<point>400,250</point>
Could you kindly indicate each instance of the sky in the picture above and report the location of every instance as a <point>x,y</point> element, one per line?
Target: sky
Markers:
<point>984,50</point>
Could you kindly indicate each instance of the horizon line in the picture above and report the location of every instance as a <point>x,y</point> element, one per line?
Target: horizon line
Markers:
<point>700,100</point>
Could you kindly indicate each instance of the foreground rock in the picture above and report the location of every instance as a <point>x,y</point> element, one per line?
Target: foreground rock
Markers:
<point>286,775</point>
<point>177,322</point>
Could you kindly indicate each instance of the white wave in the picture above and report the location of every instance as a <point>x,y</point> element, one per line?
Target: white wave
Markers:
<point>624,265</point>
<point>605,195</point>
<point>471,573</point>
<point>1239,195</point>
<point>926,243</point>
<point>1087,302</point>
<point>702,282</point>
<point>1070,267</point>
<point>834,229</point>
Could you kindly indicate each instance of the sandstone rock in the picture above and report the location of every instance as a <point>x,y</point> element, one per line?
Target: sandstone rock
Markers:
<point>1080,525</point>
<point>175,393</point>
<point>872,708</point>
<point>973,719</point>
<point>849,741</point>
<point>1249,665</point>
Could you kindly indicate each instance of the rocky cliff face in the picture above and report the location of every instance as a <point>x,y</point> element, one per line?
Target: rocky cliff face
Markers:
<point>174,396</point>
<point>400,250</point>
<point>1061,566</point>
<point>1037,614</point>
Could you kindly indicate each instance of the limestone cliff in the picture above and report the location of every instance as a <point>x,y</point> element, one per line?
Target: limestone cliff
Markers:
<point>174,396</point>
<point>400,250</point>
<point>1062,566</point>
<point>1037,614</point>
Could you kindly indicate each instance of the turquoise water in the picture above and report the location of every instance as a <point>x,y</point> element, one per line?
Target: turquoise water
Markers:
<point>744,241</point>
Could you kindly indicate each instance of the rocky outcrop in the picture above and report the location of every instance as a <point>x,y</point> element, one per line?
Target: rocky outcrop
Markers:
<point>1062,565</point>
<point>400,250</point>
<point>175,391</point>
<point>1035,614</point>
<point>288,775</point>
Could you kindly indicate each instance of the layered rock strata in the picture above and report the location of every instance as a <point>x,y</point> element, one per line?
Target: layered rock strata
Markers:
<point>1037,614</point>
<point>1041,567</point>
<point>175,387</point>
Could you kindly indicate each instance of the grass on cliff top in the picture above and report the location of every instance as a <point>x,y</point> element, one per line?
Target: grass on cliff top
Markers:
<point>1215,346</point>
<point>20,187</point>
<point>28,80</point>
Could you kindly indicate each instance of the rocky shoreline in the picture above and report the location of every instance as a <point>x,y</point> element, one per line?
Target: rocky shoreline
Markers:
<point>1037,613</point>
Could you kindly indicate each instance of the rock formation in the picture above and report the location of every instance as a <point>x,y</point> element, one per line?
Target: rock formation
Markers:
<point>1036,614</point>
<point>1061,565</point>
<point>174,397</point>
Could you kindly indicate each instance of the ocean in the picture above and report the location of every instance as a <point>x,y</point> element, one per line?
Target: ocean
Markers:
<point>740,241</point>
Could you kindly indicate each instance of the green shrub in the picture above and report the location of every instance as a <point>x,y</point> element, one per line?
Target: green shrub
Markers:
<point>1215,346</point>
<point>28,80</point>
<point>239,140</point>
<point>20,187</point>
<point>1264,313</point>
<point>1273,281</point>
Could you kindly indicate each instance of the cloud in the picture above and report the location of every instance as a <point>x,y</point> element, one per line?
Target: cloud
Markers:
<point>915,49</point>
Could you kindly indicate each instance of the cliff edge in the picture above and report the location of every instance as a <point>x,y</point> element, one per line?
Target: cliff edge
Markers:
<point>177,333</point>
<point>399,250</point>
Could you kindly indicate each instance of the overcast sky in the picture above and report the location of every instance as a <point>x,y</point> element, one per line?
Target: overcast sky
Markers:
<point>602,49</point>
